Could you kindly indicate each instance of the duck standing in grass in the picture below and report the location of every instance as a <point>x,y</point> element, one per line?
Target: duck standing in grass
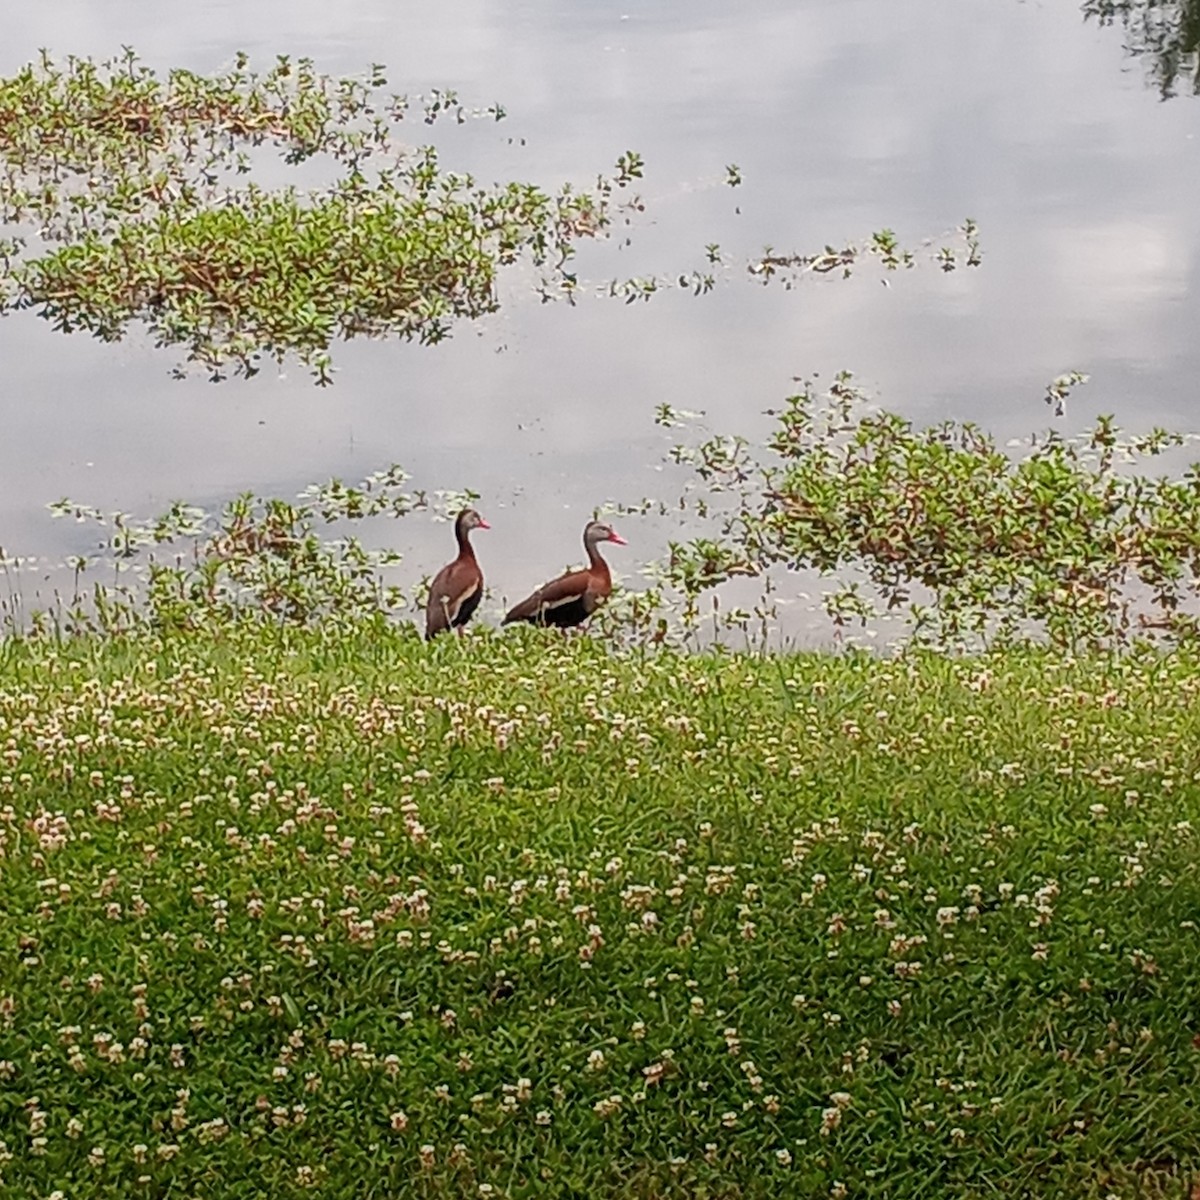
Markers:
<point>572,598</point>
<point>457,588</point>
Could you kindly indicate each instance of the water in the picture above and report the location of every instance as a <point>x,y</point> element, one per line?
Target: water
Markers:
<point>844,118</point>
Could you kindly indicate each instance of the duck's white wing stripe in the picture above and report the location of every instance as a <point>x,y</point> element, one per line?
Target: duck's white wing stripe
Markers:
<point>546,605</point>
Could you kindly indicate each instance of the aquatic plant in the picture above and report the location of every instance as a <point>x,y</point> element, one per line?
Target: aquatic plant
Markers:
<point>257,560</point>
<point>138,200</point>
<point>963,542</point>
<point>139,192</point>
<point>1067,541</point>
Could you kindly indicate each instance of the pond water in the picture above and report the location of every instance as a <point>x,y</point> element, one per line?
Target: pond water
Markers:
<point>843,118</point>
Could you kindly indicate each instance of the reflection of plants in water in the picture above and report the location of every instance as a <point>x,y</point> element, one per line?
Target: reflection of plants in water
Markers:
<point>129,200</point>
<point>1166,33</point>
<point>945,528</point>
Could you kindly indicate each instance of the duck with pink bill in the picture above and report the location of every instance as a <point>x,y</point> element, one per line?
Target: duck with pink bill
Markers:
<point>572,598</point>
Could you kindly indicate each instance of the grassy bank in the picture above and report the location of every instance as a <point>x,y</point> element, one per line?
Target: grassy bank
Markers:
<point>355,917</point>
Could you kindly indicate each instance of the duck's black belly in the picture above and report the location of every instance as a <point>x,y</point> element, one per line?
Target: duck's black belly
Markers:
<point>575,612</point>
<point>466,610</point>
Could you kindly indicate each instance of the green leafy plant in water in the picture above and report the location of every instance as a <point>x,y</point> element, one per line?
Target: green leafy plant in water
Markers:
<point>132,200</point>
<point>272,272</point>
<point>259,559</point>
<point>883,245</point>
<point>938,525</point>
<point>943,526</point>
<point>133,184</point>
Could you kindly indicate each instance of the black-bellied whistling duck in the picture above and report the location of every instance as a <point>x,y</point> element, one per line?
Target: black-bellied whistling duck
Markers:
<point>572,598</point>
<point>457,588</point>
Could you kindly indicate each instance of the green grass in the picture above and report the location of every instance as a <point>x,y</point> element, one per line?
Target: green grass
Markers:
<point>351,916</point>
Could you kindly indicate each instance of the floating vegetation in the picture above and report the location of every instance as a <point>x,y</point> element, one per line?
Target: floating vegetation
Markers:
<point>257,559</point>
<point>968,542</point>
<point>129,198</point>
<point>882,248</point>
<point>267,273</point>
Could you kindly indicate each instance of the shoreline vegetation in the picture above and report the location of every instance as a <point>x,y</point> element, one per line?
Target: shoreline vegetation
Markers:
<point>956,541</point>
<point>334,912</point>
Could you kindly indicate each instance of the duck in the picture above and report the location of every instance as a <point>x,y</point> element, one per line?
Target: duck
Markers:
<point>457,588</point>
<point>571,598</point>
